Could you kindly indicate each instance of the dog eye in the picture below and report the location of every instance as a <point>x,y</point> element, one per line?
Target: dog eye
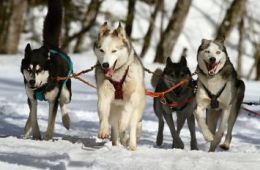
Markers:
<point>101,50</point>
<point>207,51</point>
<point>29,70</point>
<point>114,51</point>
<point>218,52</point>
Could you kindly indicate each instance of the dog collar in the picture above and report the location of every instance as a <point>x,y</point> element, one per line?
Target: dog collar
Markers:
<point>118,85</point>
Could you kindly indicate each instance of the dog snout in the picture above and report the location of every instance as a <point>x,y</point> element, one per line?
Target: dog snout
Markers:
<point>105,65</point>
<point>32,82</point>
<point>212,60</point>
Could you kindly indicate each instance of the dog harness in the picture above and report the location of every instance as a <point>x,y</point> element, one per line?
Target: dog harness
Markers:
<point>118,85</point>
<point>39,93</point>
<point>214,97</point>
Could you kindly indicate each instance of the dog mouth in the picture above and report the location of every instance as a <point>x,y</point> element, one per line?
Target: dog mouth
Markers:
<point>110,71</point>
<point>212,67</point>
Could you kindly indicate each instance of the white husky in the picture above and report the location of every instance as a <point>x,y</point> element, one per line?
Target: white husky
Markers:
<point>120,87</point>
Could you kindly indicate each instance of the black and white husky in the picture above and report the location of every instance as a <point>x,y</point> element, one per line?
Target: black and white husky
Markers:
<point>40,67</point>
<point>220,92</point>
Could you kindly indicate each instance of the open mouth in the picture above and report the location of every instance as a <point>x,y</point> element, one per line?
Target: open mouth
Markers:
<point>109,72</point>
<point>212,67</point>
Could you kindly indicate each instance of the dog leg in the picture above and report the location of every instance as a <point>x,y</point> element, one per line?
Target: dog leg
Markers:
<point>231,123</point>
<point>53,107</point>
<point>201,122</point>
<point>28,125</point>
<point>212,117</point>
<point>177,142</point>
<point>158,111</point>
<point>64,100</point>
<point>220,132</point>
<point>181,117</point>
<point>191,125</point>
<point>34,122</point>
<point>104,112</point>
<point>114,121</point>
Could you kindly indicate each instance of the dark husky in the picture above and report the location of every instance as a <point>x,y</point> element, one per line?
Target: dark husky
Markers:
<point>40,67</point>
<point>219,92</point>
<point>172,74</point>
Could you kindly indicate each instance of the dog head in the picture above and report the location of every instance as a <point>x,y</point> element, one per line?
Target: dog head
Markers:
<point>173,73</point>
<point>34,67</point>
<point>112,48</point>
<point>212,56</point>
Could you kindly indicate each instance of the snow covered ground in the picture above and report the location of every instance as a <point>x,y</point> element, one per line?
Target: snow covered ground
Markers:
<point>79,148</point>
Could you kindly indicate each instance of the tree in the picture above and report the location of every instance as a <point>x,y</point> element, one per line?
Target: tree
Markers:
<point>148,35</point>
<point>130,17</point>
<point>11,24</point>
<point>232,17</point>
<point>172,31</point>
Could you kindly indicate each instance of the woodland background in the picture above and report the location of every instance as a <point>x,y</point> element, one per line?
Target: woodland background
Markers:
<point>21,18</point>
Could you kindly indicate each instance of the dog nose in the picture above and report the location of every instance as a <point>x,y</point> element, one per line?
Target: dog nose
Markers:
<point>212,60</point>
<point>32,82</point>
<point>105,65</point>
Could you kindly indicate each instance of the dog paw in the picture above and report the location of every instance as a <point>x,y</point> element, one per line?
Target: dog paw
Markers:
<point>103,134</point>
<point>66,121</point>
<point>208,136</point>
<point>132,147</point>
<point>178,145</point>
<point>37,137</point>
<point>224,147</point>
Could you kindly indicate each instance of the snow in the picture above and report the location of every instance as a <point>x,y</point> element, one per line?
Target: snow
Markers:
<point>79,148</point>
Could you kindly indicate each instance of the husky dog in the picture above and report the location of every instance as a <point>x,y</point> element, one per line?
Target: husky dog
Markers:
<point>40,67</point>
<point>183,97</point>
<point>220,92</point>
<point>120,87</point>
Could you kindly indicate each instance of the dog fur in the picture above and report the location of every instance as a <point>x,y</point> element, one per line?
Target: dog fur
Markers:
<point>39,68</point>
<point>217,74</point>
<point>172,74</point>
<point>115,55</point>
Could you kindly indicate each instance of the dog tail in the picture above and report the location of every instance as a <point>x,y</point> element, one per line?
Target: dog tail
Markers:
<point>156,76</point>
<point>52,24</point>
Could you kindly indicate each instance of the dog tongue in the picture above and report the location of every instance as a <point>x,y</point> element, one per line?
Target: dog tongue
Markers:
<point>212,68</point>
<point>109,72</point>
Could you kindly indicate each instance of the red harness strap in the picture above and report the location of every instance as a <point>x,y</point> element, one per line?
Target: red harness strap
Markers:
<point>177,104</point>
<point>118,85</point>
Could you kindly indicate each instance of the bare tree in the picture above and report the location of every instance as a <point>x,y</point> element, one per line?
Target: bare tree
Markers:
<point>89,19</point>
<point>11,24</point>
<point>88,22</point>
<point>232,17</point>
<point>130,17</point>
<point>240,47</point>
<point>173,30</point>
<point>148,35</point>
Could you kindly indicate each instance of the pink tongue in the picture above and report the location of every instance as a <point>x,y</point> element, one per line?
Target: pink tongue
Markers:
<point>109,72</point>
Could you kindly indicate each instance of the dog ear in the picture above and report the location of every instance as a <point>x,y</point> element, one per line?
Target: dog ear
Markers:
<point>183,61</point>
<point>104,30</point>
<point>168,61</point>
<point>27,50</point>
<point>220,39</point>
<point>119,32</point>
<point>205,41</point>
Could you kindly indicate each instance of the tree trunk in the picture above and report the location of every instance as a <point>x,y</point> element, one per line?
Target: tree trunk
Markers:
<point>173,30</point>
<point>89,19</point>
<point>11,24</point>
<point>240,47</point>
<point>257,62</point>
<point>130,17</point>
<point>148,35</point>
<point>233,15</point>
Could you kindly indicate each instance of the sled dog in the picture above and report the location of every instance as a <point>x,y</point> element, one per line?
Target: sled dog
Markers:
<point>220,93</point>
<point>120,87</point>
<point>40,67</point>
<point>182,101</point>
